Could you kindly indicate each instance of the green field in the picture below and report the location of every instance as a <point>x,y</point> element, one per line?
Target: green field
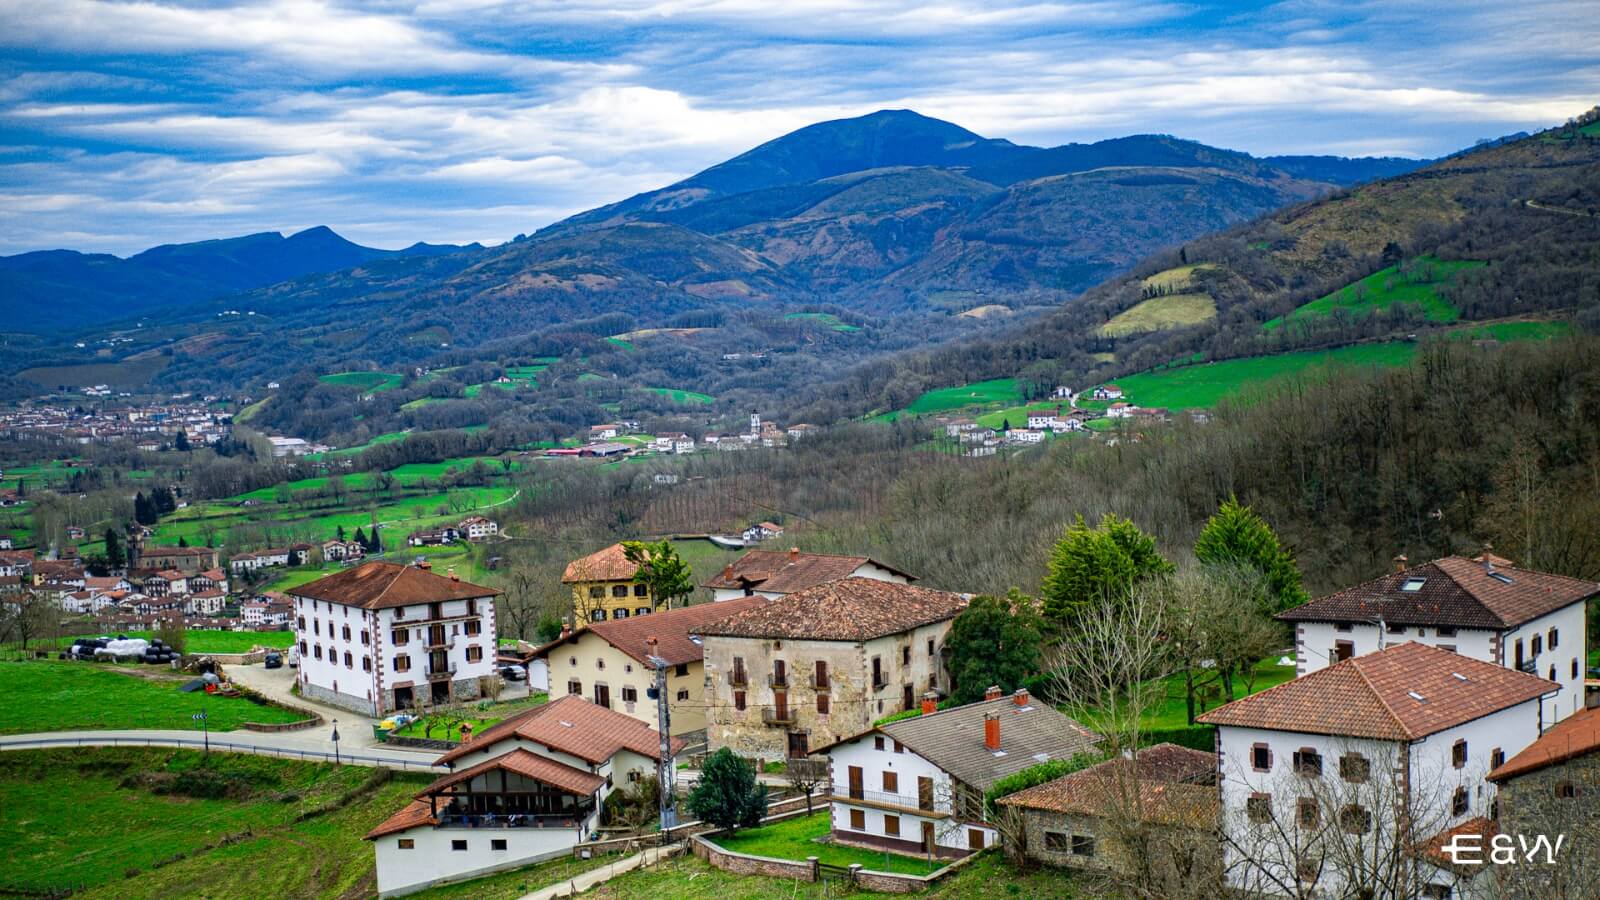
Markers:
<point>1385,288</point>
<point>443,730</point>
<point>517,882</point>
<point>681,396</point>
<point>996,392</point>
<point>797,839</point>
<point>1173,711</point>
<point>364,381</point>
<point>1203,385</point>
<point>619,342</point>
<point>1159,313</point>
<point>57,695</point>
<point>826,320</point>
<point>205,641</point>
<point>1177,278</point>
<point>370,442</point>
<point>1513,331</point>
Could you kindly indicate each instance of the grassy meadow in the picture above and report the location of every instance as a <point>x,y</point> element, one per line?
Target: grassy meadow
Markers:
<point>63,695</point>
<point>1387,288</point>
<point>796,838</point>
<point>1160,313</point>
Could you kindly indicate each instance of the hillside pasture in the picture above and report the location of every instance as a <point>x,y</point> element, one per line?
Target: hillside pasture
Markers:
<point>128,373</point>
<point>1416,283</point>
<point>988,310</point>
<point>678,395</point>
<point>62,695</point>
<point>826,320</point>
<point>363,381</point>
<point>1161,313</point>
<point>1202,385</point>
<point>995,392</point>
<point>1177,278</point>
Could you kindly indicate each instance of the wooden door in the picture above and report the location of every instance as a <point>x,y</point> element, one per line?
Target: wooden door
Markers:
<point>974,839</point>
<point>855,783</point>
<point>924,792</point>
<point>927,837</point>
<point>602,696</point>
<point>1343,650</point>
<point>797,745</point>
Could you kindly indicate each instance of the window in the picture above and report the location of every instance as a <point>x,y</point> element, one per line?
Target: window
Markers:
<point>1459,802</point>
<point>930,647</point>
<point>620,613</point>
<point>640,590</point>
<point>877,742</point>
<point>472,627</point>
<point>317,651</point>
<point>408,844</point>
<point>681,670</point>
<point>1555,639</point>
<point>1536,645</point>
<point>1260,758</point>
<point>1449,647</point>
<point>858,820</point>
<point>304,649</point>
<point>1082,845</point>
<point>1259,808</point>
<point>1574,667</point>
<point>1412,585</point>
<point>598,615</point>
<point>366,664</point>
<point>683,693</point>
<point>366,637</point>
<point>738,700</point>
<point>472,607</point>
<point>905,655</point>
<point>575,687</point>
<point>402,663</point>
<point>474,654</point>
<point>345,633</point>
<point>1307,812</point>
<point>1447,632</point>
<point>630,695</point>
<point>1566,791</point>
<point>400,636</point>
<point>497,843</point>
<point>316,627</point>
<point>891,825</point>
<point>1458,754</point>
<point>891,782</point>
<point>1308,762</point>
<point>1552,673</point>
<point>823,704</point>
<point>458,845</point>
<point>877,672</point>
<point>899,747</point>
<point>1055,840</point>
<point>300,623</point>
<point>1354,767</point>
<point>1497,758</point>
<point>1396,629</point>
<point>619,590</point>
<point>349,661</point>
<point>642,611</point>
<point>596,593</point>
<point>1344,627</point>
<point>1354,819</point>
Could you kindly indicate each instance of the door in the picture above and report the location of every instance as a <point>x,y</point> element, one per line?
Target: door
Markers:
<point>1343,650</point>
<point>855,783</point>
<point>440,692</point>
<point>797,745</point>
<point>402,698</point>
<point>602,695</point>
<point>780,673</point>
<point>924,792</point>
<point>908,695</point>
<point>974,839</point>
<point>927,837</point>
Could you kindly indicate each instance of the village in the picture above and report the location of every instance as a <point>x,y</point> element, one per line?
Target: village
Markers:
<point>149,425</point>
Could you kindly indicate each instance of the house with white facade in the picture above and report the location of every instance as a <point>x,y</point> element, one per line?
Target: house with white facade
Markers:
<point>1044,418</point>
<point>528,789</point>
<point>1366,760</point>
<point>1484,608</point>
<point>477,528</point>
<point>259,559</point>
<point>340,551</point>
<point>1024,436</point>
<point>917,785</point>
<point>776,573</point>
<point>1107,392</point>
<point>380,637</point>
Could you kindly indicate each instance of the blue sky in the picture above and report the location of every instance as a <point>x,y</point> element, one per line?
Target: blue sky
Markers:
<point>129,124</point>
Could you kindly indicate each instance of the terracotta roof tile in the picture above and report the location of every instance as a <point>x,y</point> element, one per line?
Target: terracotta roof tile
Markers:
<point>415,814</point>
<point>1574,736</point>
<point>1167,784</point>
<point>381,585</point>
<point>952,739</point>
<point>1432,849</point>
<point>1376,696</point>
<point>609,564</point>
<point>572,725</point>
<point>850,609</point>
<point>671,629</point>
<point>1453,592</point>
<point>530,764</point>
<point>781,572</point>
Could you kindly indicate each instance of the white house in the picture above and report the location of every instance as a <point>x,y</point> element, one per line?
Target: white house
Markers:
<point>755,534</point>
<point>338,551</point>
<point>477,528</point>
<point>260,559</point>
<point>1025,436</point>
<point>528,789</point>
<point>1107,392</point>
<point>916,786</point>
<point>253,615</point>
<point>1362,760</point>
<point>1043,418</point>
<point>1483,608</point>
<point>378,637</point>
<point>775,573</point>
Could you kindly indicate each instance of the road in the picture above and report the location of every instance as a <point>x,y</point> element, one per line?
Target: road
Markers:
<point>315,745</point>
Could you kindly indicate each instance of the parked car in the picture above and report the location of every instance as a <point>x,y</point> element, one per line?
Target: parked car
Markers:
<point>273,660</point>
<point>513,673</point>
<point>294,657</point>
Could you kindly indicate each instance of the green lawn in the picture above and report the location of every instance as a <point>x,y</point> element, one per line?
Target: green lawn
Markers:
<point>619,342</point>
<point>517,882</point>
<point>364,381</point>
<point>1387,287</point>
<point>110,818</point>
<point>827,320</point>
<point>677,395</point>
<point>996,392</point>
<point>488,717</point>
<point>1173,712</point>
<point>1204,384</point>
<point>797,839</point>
<point>1513,331</point>
<point>211,641</point>
<point>58,695</point>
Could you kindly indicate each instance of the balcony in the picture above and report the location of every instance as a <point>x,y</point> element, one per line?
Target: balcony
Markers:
<point>777,716</point>
<point>821,684</point>
<point>895,802</point>
<point>1531,666</point>
<point>879,682</point>
<point>440,673</point>
<point>776,680</point>
<point>738,678</point>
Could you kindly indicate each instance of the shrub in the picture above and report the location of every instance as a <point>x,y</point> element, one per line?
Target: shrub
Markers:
<point>728,795</point>
<point>1035,775</point>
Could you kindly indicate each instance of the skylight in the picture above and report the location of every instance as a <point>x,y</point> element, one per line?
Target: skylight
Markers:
<point>1416,696</point>
<point>1413,585</point>
<point>1501,577</point>
<point>1458,676</point>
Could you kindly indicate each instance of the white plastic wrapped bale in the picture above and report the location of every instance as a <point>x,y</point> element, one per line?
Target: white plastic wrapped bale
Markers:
<point>131,648</point>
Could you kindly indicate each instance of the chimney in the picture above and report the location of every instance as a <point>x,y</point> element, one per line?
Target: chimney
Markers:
<point>794,553</point>
<point>1020,698</point>
<point>930,703</point>
<point>453,575</point>
<point>991,733</point>
<point>993,692</point>
<point>1400,563</point>
<point>566,629</point>
<point>1488,557</point>
<point>727,572</point>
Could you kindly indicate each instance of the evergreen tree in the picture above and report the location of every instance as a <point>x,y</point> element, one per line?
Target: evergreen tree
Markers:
<point>1092,564</point>
<point>661,570</point>
<point>339,534</point>
<point>183,541</point>
<point>114,558</point>
<point>995,640</point>
<point>181,442</point>
<point>1237,536</point>
<point>728,794</point>
<point>361,538</point>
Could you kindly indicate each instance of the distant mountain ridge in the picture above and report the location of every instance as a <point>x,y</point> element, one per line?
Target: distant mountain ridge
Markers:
<point>101,286</point>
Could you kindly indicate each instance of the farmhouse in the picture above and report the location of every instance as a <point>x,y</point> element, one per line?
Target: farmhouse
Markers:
<point>1553,787</point>
<point>1025,436</point>
<point>260,559</point>
<point>822,664</point>
<point>16,563</point>
<point>610,662</point>
<point>1044,418</point>
<point>340,551</point>
<point>478,528</point>
<point>604,449</point>
<point>1525,620</point>
<point>1382,752</point>
<point>189,560</point>
<point>917,785</point>
<point>762,531</point>
<point>605,586</point>
<point>433,537</point>
<point>1107,392</point>
<point>380,637</point>
<point>604,432</point>
<point>774,573</point>
<point>528,789</point>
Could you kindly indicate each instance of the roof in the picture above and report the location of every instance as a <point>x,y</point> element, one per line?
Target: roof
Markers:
<point>952,739</point>
<point>1453,591</point>
<point>1432,849</point>
<point>850,609</point>
<point>416,813</point>
<point>381,585</point>
<point>1574,736</point>
<point>1377,696</point>
<point>671,629</point>
<point>574,726</point>
<point>175,551</point>
<point>1170,781</point>
<point>529,764</point>
<point>609,564</point>
<point>782,572</point>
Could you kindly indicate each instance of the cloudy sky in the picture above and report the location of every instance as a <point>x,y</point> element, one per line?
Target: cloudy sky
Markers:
<point>128,124</point>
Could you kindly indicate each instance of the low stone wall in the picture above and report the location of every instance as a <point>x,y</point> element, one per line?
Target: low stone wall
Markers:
<point>311,719</point>
<point>744,864</point>
<point>421,743</point>
<point>233,659</point>
<point>301,725</point>
<point>894,883</point>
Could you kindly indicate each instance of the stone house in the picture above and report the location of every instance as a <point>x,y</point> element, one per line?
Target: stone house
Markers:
<point>774,573</point>
<point>605,586</point>
<point>1550,788</point>
<point>823,664</point>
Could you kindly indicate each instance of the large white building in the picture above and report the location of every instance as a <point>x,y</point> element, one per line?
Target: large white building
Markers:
<point>775,573</point>
<point>1329,782</point>
<point>1483,608</point>
<point>380,637</point>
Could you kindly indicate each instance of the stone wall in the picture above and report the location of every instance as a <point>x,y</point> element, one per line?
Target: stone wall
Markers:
<point>744,864</point>
<point>1563,799</point>
<point>333,698</point>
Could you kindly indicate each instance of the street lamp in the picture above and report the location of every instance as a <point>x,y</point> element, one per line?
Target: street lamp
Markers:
<point>336,742</point>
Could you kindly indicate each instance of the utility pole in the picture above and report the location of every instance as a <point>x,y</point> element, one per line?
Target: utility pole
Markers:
<point>669,798</point>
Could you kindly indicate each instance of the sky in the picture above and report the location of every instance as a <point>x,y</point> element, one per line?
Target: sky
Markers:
<point>129,124</point>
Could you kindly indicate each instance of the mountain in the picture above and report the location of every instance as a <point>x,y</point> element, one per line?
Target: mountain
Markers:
<point>100,286</point>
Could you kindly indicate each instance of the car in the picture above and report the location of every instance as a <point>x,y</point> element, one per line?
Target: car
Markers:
<point>294,657</point>
<point>273,660</point>
<point>513,673</point>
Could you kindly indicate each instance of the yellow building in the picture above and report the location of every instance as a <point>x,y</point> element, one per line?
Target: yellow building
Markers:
<point>604,587</point>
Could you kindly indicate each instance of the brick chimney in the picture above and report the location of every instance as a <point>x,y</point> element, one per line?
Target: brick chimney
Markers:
<point>930,703</point>
<point>727,572</point>
<point>991,733</point>
<point>452,573</point>
<point>1020,697</point>
<point>794,553</point>
<point>993,692</point>
<point>566,629</point>
<point>1400,563</point>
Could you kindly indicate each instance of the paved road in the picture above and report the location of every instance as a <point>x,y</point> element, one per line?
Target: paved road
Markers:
<point>355,729</point>
<point>313,744</point>
<point>581,883</point>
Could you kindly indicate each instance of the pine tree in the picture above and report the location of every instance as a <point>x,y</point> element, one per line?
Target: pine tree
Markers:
<point>1089,565</point>
<point>995,640</point>
<point>113,549</point>
<point>181,443</point>
<point>339,534</point>
<point>1237,536</point>
<point>361,538</point>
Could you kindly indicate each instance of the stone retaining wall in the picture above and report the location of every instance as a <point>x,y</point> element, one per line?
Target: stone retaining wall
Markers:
<point>744,864</point>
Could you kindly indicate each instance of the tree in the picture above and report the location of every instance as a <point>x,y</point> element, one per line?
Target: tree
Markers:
<point>181,442</point>
<point>661,570</point>
<point>728,794</point>
<point>338,534</point>
<point>173,634</point>
<point>24,617</point>
<point>183,541</point>
<point>1090,565</point>
<point>114,557</point>
<point>361,538</point>
<point>805,776</point>
<point>995,640</point>
<point>1237,536</point>
<point>1216,628</point>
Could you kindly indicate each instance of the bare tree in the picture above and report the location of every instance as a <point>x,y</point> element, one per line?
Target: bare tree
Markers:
<point>1110,669</point>
<point>805,776</point>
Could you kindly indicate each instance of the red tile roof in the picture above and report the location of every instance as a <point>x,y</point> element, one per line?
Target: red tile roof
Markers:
<point>609,564</point>
<point>1577,735</point>
<point>415,813</point>
<point>783,572</point>
<point>1377,696</point>
<point>381,585</point>
<point>572,725</point>
<point>671,629</point>
<point>1165,785</point>
<point>1432,849</point>
<point>528,764</point>
<point>1453,592</point>
<point>851,609</point>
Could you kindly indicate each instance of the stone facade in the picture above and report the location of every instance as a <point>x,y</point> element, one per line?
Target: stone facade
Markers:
<point>344,701</point>
<point>1081,841</point>
<point>1561,799</point>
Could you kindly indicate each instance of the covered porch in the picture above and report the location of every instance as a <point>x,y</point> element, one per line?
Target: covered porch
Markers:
<point>517,790</point>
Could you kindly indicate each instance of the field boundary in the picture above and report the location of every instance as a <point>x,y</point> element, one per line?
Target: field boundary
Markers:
<point>23,742</point>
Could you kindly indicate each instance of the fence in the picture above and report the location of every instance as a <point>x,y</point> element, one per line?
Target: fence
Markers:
<point>304,755</point>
